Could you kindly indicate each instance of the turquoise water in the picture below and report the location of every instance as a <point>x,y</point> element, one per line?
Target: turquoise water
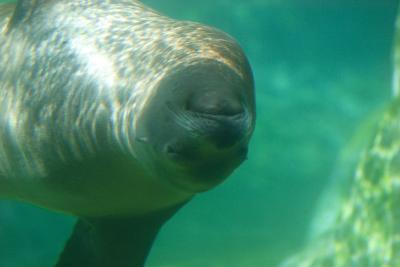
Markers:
<point>321,69</point>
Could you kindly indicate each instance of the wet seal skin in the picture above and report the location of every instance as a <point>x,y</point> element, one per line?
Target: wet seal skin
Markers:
<point>365,227</point>
<point>116,114</point>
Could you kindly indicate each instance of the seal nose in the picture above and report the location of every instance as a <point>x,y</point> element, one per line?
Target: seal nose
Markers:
<point>223,115</point>
<point>215,103</point>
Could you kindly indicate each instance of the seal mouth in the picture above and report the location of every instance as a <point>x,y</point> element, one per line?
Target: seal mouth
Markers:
<point>222,130</point>
<point>201,165</point>
<point>210,148</point>
<point>189,153</point>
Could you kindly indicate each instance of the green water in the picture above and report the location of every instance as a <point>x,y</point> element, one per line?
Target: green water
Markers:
<point>321,69</point>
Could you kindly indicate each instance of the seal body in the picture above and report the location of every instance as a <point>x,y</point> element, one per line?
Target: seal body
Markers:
<point>107,107</point>
<point>366,229</point>
<point>116,114</point>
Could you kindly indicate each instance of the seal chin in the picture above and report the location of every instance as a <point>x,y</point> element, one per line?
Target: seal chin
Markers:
<point>199,167</point>
<point>198,125</point>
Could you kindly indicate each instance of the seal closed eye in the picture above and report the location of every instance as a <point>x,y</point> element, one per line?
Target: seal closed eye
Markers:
<point>118,115</point>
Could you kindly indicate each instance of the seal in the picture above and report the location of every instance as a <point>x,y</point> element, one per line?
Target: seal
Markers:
<point>365,230</point>
<point>116,114</point>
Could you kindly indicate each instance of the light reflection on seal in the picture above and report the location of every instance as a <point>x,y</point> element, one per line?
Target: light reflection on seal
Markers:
<point>114,113</point>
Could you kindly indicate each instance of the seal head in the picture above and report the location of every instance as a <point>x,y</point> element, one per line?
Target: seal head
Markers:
<point>198,124</point>
<point>171,102</point>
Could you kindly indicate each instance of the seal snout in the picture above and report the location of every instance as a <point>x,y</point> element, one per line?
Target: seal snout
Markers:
<point>220,115</point>
<point>198,123</point>
<point>215,103</point>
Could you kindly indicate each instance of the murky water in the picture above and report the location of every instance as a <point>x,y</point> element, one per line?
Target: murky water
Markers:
<point>322,69</point>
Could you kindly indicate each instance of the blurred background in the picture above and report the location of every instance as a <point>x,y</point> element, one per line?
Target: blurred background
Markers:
<point>322,68</point>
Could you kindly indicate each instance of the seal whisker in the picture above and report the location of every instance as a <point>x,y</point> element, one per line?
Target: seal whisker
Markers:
<point>185,119</point>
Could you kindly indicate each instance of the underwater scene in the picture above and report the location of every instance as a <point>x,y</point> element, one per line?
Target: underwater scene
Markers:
<point>319,188</point>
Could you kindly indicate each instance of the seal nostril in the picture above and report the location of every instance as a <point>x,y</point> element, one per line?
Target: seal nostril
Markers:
<point>215,103</point>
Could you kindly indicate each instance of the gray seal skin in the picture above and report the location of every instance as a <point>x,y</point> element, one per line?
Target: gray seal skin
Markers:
<point>118,115</point>
<point>366,228</point>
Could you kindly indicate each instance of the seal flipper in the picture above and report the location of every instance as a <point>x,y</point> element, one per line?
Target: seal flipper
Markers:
<point>110,242</point>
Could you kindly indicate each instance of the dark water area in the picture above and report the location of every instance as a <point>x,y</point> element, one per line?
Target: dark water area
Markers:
<point>321,69</point>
